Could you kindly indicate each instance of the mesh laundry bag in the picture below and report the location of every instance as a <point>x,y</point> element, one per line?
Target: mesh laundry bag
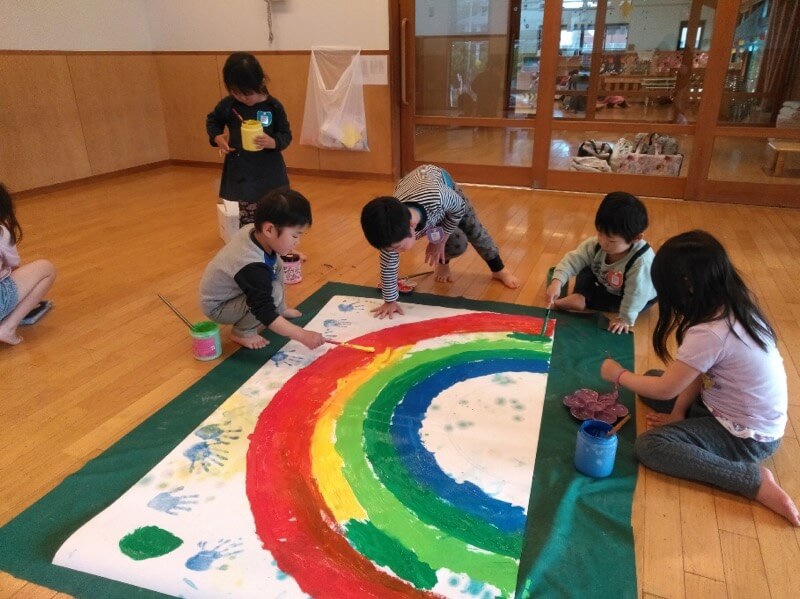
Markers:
<point>334,114</point>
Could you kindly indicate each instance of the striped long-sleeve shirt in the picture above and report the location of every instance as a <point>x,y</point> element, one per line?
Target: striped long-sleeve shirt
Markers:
<point>431,188</point>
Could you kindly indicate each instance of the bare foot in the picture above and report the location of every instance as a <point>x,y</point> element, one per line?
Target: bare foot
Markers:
<point>9,337</point>
<point>249,341</point>
<point>775,498</point>
<point>573,301</point>
<point>442,273</point>
<point>506,278</point>
<point>292,313</point>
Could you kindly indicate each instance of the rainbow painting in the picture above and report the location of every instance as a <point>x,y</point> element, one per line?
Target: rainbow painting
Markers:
<point>338,472</point>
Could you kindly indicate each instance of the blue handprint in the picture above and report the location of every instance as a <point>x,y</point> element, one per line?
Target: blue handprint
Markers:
<point>351,307</point>
<point>331,324</point>
<point>206,455</point>
<point>287,358</point>
<point>205,558</point>
<point>170,502</point>
<point>217,433</point>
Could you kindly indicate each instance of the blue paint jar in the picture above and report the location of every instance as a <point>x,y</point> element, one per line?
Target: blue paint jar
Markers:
<point>595,450</point>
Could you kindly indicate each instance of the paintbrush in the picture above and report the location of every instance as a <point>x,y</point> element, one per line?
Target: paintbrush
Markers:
<point>352,346</point>
<point>618,426</point>
<point>546,320</point>
<point>419,274</point>
<point>238,116</point>
<point>174,309</point>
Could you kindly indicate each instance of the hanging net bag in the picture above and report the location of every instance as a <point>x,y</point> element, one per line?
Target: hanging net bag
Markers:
<point>334,114</point>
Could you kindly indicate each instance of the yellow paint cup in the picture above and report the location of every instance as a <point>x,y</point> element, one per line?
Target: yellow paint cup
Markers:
<point>250,130</point>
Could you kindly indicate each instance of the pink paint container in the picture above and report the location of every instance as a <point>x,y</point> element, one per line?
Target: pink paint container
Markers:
<point>292,269</point>
<point>206,342</point>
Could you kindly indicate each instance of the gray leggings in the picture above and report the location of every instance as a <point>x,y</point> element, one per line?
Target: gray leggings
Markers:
<point>699,448</point>
<point>471,230</point>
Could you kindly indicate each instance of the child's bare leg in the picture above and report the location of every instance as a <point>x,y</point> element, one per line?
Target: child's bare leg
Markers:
<point>291,313</point>
<point>506,278</point>
<point>573,301</point>
<point>33,281</point>
<point>254,341</point>
<point>775,498</point>
<point>441,273</point>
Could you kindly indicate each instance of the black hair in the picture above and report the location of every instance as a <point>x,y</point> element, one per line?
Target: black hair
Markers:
<point>243,73</point>
<point>621,213</point>
<point>696,283</point>
<point>7,217</point>
<point>385,220</point>
<point>283,208</point>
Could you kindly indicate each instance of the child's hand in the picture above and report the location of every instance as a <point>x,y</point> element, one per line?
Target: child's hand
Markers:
<point>552,292</point>
<point>434,253</point>
<point>222,144</point>
<point>311,339</point>
<point>265,142</point>
<point>618,326</point>
<point>387,309</point>
<point>610,370</point>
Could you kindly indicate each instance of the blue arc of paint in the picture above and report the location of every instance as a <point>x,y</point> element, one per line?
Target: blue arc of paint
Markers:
<point>422,465</point>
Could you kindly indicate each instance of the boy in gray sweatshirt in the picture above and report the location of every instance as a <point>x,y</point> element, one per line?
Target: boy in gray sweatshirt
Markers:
<point>611,269</point>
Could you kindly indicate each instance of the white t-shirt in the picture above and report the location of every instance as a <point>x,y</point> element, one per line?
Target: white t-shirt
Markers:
<point>744,387</point>
<point>9,257</point>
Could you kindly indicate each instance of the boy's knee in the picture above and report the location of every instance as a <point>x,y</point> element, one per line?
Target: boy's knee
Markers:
<point>455,246</point>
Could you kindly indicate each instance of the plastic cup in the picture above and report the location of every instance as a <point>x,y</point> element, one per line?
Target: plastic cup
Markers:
<point>250,130</point>
<point>206,342</point>
<point>292,269</point>
<point>595,449</point>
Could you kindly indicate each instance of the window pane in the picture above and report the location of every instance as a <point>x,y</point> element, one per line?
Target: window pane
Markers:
<point>461,57</point>
<point>755,160</point>
<point>764,70</point>
<point>474,145</point>
<point>642,76</point>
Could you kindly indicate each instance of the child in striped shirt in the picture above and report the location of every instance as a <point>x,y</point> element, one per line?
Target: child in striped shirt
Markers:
<point>427,203</point>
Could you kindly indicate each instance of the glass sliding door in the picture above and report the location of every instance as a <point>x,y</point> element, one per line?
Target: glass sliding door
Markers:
<point>468,88</point>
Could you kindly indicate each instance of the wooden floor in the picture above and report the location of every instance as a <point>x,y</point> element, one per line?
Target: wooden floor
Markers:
<point>110,353</point>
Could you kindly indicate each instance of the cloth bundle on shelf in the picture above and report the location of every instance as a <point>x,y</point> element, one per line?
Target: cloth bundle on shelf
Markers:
<point>654,154</point>
<point>647,154</point>
<point>589,164</point>
<point>592,148</point>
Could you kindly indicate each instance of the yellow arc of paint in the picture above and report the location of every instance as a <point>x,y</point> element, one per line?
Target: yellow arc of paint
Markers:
<point>326,464</point>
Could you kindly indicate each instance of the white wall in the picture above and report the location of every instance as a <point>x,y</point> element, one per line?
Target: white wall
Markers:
<point>242,24</point>
<point>74,25</point>
<point>175,25</point>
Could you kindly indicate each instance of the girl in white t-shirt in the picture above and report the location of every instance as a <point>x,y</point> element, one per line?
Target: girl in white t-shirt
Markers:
<point>21,286</point>
<point>731,406</point>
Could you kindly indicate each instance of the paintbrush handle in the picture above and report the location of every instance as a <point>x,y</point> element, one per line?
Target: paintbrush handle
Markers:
<point>174,309</point>
<point>618,426</point>
<point>419,274</point>
<point>351,345</point>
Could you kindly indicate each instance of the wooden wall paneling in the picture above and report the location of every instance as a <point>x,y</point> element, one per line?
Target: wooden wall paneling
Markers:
<point>378,160</point>
<point>119,101</point>
<point>288,75</point>
<point>190,88</point>
<point>39,123</point>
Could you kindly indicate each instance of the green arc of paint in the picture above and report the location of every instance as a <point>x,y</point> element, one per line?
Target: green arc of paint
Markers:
<point>428,506</point>
<point>389,514</point>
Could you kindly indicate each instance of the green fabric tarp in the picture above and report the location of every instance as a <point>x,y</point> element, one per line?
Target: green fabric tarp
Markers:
<point>578,542</point>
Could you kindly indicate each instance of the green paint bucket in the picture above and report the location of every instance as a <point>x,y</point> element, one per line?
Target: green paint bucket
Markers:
<point>206,342</point>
